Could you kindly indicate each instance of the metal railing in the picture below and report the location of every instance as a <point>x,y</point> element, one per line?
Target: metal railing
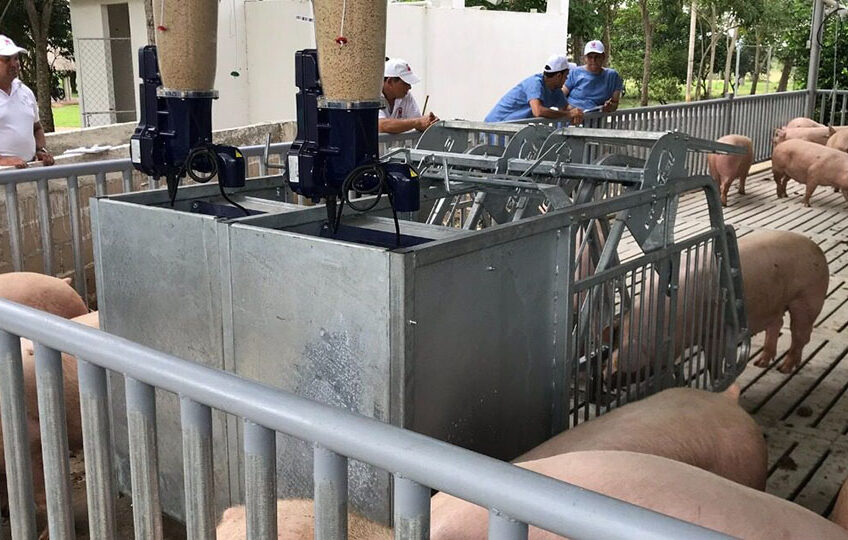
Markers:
<point>753,116</point>
<point>515,497</point>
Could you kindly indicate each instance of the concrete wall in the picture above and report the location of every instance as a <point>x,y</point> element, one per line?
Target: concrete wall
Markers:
<point>466,57</point>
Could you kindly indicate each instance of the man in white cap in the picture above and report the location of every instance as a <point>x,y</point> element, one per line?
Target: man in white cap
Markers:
<point>402,112</point>
<point>21,135</point>
<point>538,95</point>
<point>593,87</point>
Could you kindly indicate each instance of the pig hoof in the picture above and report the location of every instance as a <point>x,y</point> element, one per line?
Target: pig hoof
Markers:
<point>741,191</point>
<point>786,368</point>
<point>763,362</point>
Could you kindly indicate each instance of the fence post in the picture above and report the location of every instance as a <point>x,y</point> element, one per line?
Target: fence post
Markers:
<point>728,114</point>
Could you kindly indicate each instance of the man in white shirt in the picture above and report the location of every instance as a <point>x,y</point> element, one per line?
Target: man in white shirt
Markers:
<point>21,135</point>
<point>402,113</point>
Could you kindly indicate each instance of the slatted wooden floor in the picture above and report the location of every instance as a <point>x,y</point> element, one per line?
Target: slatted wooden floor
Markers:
<point>804,414</point>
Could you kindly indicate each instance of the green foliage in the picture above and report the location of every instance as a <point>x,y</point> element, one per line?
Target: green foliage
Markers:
<point>665,90</point>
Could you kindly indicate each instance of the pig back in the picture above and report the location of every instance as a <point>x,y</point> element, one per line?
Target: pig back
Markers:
<point>779,267</point>
<point>704,429</point>
<point>839,140</point>
<point>663,485</point>
<point>43,292</point>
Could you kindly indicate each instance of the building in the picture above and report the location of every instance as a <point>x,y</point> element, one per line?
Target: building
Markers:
<point>467,57</point>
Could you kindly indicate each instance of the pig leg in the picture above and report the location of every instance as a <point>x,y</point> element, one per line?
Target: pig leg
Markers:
<point>725,187</point>
<point>779,178</point>
<point>802,317</point>
<point>844,194</point>
<point>770,344</point>
<point>742,178</point>
<point>808,192</point>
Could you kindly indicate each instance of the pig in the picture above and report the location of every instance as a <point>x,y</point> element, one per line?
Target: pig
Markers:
<point>724,168</point>
<point>296,520</point>
<point>839,515</point>
<point>782,271</point>
<point>809,164</point>
<point>659,484</point>
<point>72,411</point>
<point>705,429</point>
<point>803,122</point>
<point>43,292</point>
<point>839,140</point>
<point>818,135</point>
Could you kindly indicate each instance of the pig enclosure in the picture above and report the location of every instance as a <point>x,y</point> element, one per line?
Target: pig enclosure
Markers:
<point>415,336</point>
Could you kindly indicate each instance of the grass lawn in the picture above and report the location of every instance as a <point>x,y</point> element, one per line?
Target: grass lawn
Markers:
<point>66,116</point>
<point>631,97</point>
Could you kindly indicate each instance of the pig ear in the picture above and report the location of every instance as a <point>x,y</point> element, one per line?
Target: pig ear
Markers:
<point>733,392</point>
<point>67,280</point>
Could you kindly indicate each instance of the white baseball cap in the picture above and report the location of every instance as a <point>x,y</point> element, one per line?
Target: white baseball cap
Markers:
<point>8,47</point>
<point>557,63</point>
<point>398,67</point>
<point>594,46</point>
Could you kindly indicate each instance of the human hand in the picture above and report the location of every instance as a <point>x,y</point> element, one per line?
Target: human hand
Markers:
<point>610,105</point>
<point>423,122</point>
<point>44,157</point>
<point>576,116</point>
<point>12,161</point>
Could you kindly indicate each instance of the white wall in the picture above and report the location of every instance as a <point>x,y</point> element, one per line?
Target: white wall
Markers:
<point>88,20</point>
<point>467,58</point>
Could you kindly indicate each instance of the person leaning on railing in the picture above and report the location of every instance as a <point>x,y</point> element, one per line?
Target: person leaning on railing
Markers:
<point>21,135</point>
<point>592,87</point>
<point>538,96</point>
<point>401,113</point>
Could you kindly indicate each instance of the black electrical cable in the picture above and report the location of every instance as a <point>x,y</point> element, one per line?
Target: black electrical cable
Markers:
<point>209,154</point>
<point>357,181</point>
<point>232,202</point>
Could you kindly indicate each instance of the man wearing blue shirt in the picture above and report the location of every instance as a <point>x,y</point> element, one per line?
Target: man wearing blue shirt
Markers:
<point>536,96</point>
<point>592,86</point>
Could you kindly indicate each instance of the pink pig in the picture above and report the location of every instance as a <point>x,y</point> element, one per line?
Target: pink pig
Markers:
<point>810,164</point>
<point>724,168</point>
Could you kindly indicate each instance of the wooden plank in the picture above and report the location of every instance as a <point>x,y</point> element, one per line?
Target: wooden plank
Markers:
<point>790,392</point>
<point>836,418</point>
<point>820,492</point>
<point>795,469</point>
<point>763,389</point>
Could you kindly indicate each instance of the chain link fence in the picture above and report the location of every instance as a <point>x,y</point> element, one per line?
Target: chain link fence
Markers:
<point>96,61</point>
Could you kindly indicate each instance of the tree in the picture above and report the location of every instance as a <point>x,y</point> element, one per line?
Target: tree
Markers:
<point>151,26</point>
<point>648,29</point>
<point>40,13</point>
